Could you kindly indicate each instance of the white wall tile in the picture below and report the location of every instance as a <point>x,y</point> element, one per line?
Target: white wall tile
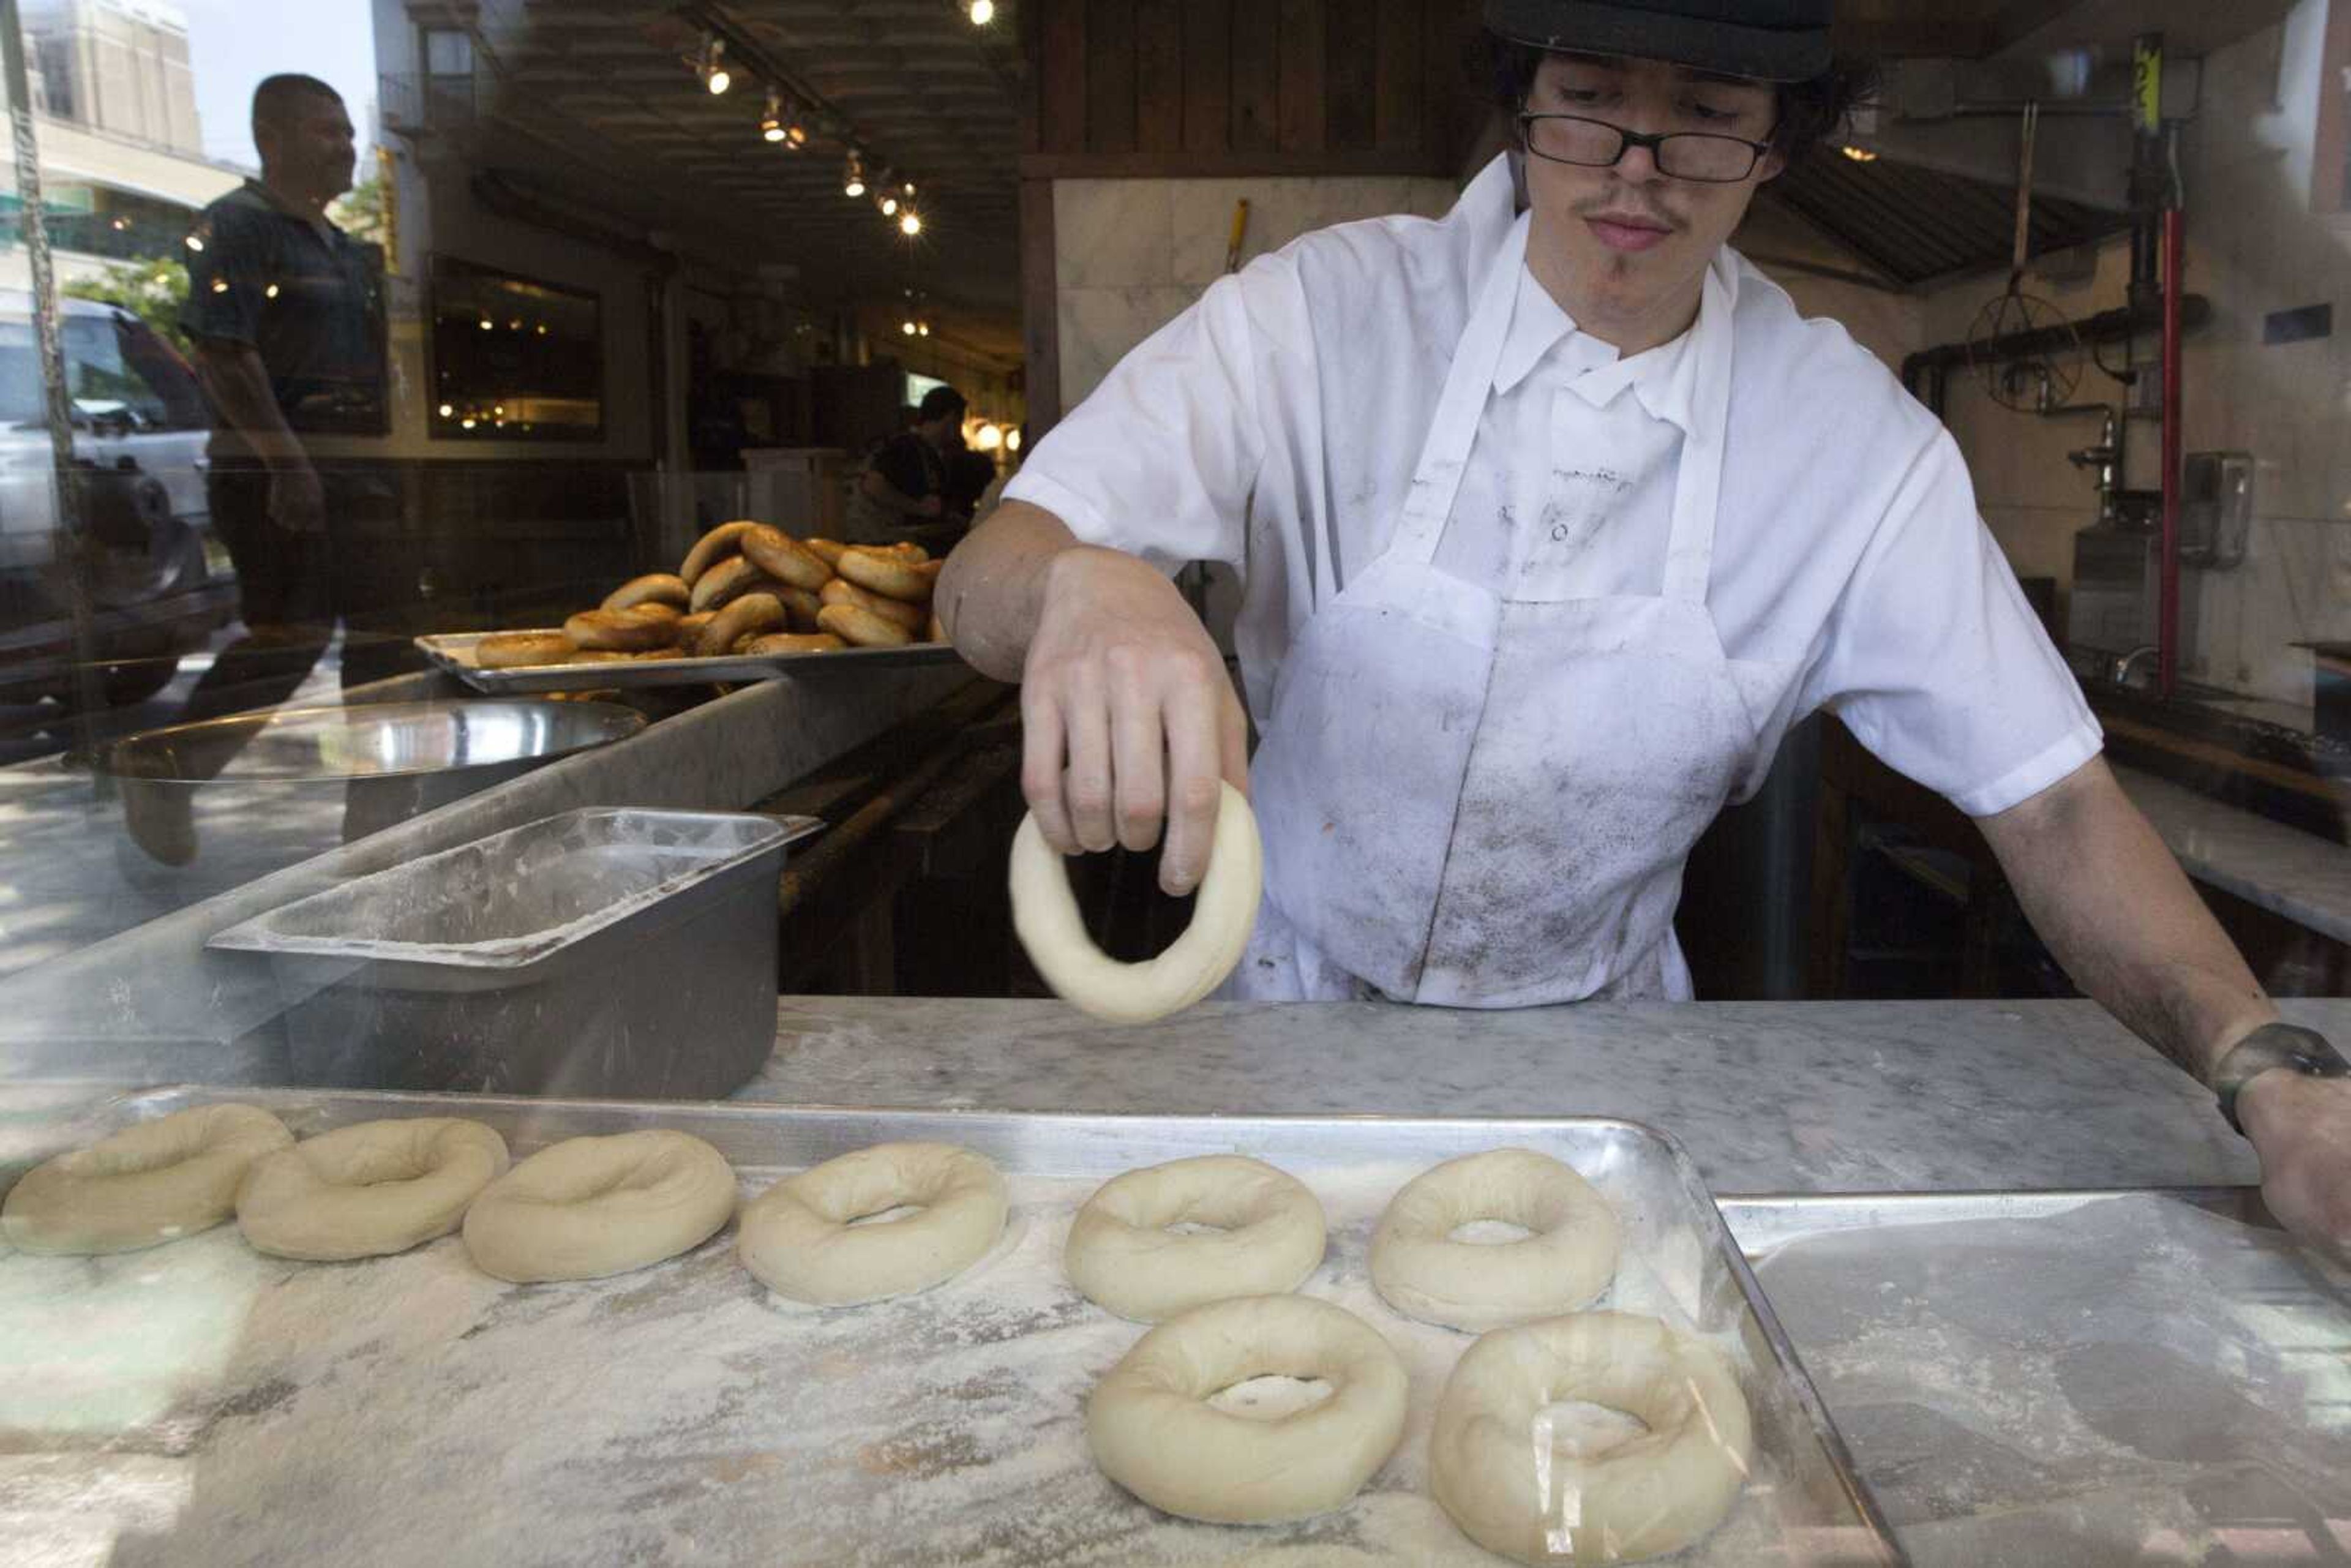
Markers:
<point>1110,233</point>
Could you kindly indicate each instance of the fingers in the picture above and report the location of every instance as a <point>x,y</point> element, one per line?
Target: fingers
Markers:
<point>1040,768</point>
<point>1085,718</point>
<point>1137,783</point>
<point>1194,769</point>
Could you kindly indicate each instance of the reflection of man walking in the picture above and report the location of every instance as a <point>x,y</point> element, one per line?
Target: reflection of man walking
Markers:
<point>286,314</point>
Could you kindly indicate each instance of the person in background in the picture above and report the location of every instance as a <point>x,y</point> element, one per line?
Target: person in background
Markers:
<point>286,313</point>
<point>992,497</point>
<point>903,492</point>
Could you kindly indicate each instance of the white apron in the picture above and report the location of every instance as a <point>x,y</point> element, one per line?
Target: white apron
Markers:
<point>1470,800</point>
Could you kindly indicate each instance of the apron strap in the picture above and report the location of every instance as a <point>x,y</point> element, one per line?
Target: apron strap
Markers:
<point>1452,429</point>
<point>1697,487</point>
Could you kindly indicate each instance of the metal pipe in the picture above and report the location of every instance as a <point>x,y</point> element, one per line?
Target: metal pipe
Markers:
<point>2175,260</point>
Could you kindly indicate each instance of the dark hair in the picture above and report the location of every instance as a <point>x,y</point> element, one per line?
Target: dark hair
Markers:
<point>273,100</point>
<point>1810,113</point>
<point>940,401</point>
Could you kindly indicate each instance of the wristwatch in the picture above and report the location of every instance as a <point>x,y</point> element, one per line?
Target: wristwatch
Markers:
<point>2298,1050</point>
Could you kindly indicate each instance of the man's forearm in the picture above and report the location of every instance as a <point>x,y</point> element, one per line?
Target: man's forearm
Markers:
<point>879,487</point>
<point>236,380</point>
<point>2120,915</point>
<point>992,588</point>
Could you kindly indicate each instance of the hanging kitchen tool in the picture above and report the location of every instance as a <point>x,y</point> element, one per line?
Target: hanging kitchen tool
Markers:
<point>2022,345</point>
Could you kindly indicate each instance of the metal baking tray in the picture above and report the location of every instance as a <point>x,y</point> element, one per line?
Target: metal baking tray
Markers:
<point>453,652</point>
<point>2094,1377</point>
<point>682,1412</point>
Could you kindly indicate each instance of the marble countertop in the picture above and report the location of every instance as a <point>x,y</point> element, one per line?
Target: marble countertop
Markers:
<point>1812,1096</point>
<point>2283,870</point>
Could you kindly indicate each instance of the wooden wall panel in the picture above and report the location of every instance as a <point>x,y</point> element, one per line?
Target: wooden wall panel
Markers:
<point>1175,88</point>
<point>1257,76</point>
<point>1110,76</point>
<point>1158,76</point>
<point>1398,75</point>
<point>1061,68</point>
<point>1208,76</point>
<point>1303,59</point>
<point>1350,72</point>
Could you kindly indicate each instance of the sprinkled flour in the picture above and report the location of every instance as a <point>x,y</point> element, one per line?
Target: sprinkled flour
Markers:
<point>201,1403</point>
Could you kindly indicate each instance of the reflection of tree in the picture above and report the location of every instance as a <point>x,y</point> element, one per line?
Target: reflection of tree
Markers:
<point>359,212</point>
<point>151,290</point>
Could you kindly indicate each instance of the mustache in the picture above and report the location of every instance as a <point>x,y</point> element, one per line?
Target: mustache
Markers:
<point>1618,207</point>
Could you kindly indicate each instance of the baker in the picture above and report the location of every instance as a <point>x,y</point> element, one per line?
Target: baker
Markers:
<point>1552,516</point>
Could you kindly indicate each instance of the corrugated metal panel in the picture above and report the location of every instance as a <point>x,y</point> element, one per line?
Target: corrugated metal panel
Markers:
<point>1912,224</point>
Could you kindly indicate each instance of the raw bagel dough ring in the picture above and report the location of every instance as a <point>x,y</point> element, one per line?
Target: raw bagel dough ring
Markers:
<point>1045,913</point>
<point>797,1236</point>
<point>1420,1271</point>
<point>587,1207</point>
<point>148,1183</point>
<point>1654,1494</point>
<point>1153,1433</point>
<point>369,1189</point>
<point>1121,1255</point>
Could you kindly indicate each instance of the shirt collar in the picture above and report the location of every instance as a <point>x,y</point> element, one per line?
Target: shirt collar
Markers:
<point>1538,327</point>
<point>1664,378</point>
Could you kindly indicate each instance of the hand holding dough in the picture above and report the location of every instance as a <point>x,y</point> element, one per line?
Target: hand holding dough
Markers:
<point>1045,913</point>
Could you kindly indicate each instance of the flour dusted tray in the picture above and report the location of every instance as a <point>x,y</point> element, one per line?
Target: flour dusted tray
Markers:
<point>453,652</point>
<point>200,1403</point>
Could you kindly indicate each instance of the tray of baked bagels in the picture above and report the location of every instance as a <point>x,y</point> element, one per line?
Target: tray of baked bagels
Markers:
<point>563,1332</point>
<point>749,603</point>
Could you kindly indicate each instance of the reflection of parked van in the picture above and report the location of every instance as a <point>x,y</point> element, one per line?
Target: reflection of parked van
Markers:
<point>140,425</point>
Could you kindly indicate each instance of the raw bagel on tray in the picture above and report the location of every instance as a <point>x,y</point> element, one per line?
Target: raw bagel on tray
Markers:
<point>152,1183</point>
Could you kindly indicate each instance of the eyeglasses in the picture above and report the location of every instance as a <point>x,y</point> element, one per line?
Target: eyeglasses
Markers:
<point>1681,155</point>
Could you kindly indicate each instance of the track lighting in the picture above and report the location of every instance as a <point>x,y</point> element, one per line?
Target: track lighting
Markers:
<point>771,123</point>
<point>852,178</point>
<point>983,12</point>
<point>713,67</point>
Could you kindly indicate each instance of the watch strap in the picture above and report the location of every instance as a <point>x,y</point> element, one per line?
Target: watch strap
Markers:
<point>2290,1046</point>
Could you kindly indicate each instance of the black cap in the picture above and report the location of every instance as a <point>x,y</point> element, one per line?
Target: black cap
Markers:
<point>1770,40</point>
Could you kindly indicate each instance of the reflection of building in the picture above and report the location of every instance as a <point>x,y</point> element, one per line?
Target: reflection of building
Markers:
<point>118,66</point>
<point>123,173</point>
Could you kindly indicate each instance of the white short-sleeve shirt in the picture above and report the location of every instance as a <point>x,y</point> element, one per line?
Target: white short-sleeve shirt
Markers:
<point>1274,426</point>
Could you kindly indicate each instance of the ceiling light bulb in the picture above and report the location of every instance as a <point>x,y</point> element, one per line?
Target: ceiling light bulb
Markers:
<point>714,74</point>
<point>988,438</point>
<point>907,327</point>
<point>771,123</point>
<point>797,134</point>
<point>889,206</point>
<point>910,223</point>
<point>1012,439</point>
<point>853,177</point>
<point>983,12</point>
<point>924,328</point>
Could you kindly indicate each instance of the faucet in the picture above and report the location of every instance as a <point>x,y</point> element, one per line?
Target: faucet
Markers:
<point>2106,457</point>
<point>2123,666</point>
